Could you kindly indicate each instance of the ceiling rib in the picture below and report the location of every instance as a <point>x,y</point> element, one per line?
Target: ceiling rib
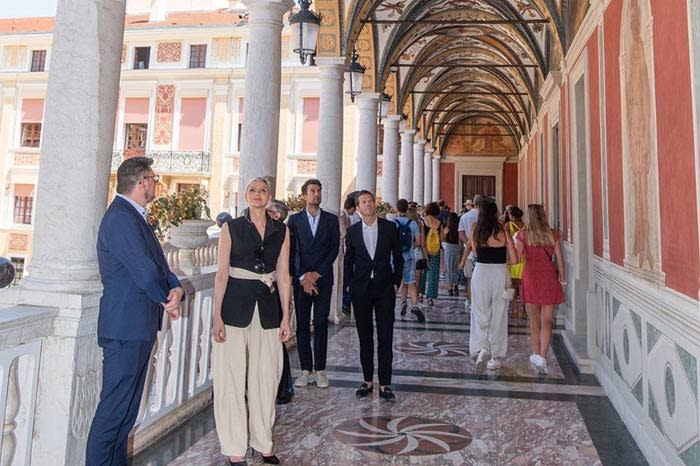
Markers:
<point>456,22</point>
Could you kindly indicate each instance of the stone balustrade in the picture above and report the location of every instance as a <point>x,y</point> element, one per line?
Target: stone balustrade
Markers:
<point>178,384</point>
<point>22,331</point>
<point>172,162</point>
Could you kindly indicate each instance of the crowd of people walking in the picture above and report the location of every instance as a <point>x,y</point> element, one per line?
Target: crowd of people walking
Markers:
<point>273,269</point>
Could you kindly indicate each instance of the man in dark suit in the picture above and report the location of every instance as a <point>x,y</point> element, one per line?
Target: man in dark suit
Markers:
<point>373,266</point>
<point>138,287</point>
<point>315,238</point>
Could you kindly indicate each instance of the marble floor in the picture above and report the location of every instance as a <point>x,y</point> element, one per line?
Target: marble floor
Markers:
<point>445,413</point>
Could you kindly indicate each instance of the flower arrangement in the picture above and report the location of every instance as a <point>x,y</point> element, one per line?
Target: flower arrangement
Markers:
<point>170,211</point>
<point>384,208</point>
<point>294,203</point>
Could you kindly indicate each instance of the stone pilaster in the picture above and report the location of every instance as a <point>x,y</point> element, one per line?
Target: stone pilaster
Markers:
<point>406,166</point>
<point>418,171</point>
<point>390,172</point>
<point>436,182</point>
<point>260,133</point>
<point>428,176</point>
<point>330,131</point>
<point>366,168</point>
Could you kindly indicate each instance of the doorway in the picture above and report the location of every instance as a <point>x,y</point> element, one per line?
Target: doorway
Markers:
<point>477,184</point>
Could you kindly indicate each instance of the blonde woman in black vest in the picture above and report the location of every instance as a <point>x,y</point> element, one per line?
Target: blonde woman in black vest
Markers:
<point>251,291</point>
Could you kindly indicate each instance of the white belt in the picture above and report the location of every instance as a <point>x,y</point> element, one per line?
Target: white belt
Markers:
<point>267,278</point>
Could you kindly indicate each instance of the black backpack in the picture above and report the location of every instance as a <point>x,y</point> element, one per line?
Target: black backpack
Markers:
<point>405,235</point>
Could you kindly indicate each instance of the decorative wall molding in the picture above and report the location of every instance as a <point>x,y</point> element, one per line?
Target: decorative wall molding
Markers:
<point>647,350</point>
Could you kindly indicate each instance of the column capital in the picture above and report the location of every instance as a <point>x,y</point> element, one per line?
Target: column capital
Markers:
<point>266,10</point>
<point>429,152</point>
<point>330,62</point>
<point>367,101</point>
<point>408,132</point>
<point>420,142</point>
<point>391,121</point>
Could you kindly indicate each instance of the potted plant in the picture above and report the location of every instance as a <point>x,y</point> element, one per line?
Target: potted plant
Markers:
<point>384,208</point>
<point>181,218</point>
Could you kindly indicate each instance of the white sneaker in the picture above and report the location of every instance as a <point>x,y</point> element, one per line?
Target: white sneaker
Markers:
<point>466,304</point>
<point>494,364</point>
<point>321,379</point>
<point>304,379</point>
<point>539,363</point>
<point>482,360</point>
<point>534,359</point>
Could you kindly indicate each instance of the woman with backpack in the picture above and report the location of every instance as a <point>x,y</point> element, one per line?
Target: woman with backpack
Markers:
<point>542,281</point>
<point>450,245</point>
<point>431,249</point>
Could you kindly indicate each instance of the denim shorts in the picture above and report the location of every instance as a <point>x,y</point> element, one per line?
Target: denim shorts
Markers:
<point>409,271</point>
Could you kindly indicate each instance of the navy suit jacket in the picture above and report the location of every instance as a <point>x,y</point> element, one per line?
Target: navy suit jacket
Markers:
<point>313,253</point>
<point>387,264</point>
<point>135,275</point>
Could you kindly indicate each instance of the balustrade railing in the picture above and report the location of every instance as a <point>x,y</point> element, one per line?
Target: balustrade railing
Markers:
<point>179,373</point>
<point>21,335</point>
<point>179,377</point>
<point>165,161</point>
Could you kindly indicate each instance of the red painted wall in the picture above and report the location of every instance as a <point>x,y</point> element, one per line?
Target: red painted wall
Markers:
<point>510,184</point>
<point>447,184</point>
<point>613,131</point>
<point>594,124</point>
<point>674,116</point>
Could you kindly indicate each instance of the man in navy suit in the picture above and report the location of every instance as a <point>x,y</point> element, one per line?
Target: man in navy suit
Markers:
<point>373,266</point>
<point>138,287</point>
<point>315,239</point>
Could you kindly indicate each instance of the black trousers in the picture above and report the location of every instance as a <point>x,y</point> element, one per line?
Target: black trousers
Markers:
<point>377,303</point>
<point>321,304</point>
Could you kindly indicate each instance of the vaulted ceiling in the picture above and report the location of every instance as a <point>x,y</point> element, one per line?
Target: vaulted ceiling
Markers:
<point>454,61</point>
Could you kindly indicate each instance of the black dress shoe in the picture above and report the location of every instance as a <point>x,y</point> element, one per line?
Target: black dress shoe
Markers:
<point>364,390</point>
<point>387,394</point>
<point>283,400</point>
<point>237,463</point>
<point>272,459</point>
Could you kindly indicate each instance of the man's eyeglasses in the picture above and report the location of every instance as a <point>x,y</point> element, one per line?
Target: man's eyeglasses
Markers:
<point>156,178</point>
<point>260,264</point>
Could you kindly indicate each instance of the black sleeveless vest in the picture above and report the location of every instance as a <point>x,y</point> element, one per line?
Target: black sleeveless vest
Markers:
<point>248,250</point>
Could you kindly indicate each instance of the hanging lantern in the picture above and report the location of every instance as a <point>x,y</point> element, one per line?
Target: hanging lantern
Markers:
<point>305,24</point>
<point>354,76</point>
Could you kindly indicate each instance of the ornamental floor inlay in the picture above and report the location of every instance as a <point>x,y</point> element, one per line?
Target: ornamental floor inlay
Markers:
<point>404,435</point>
<point>433,348</point>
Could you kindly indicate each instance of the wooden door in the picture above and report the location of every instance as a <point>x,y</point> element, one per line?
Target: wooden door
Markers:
<point>472,185</point>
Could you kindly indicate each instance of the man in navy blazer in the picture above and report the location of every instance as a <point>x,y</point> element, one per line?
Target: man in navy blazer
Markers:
<point>138,287</point>
<point>315,240</point>
<point>373,266</point>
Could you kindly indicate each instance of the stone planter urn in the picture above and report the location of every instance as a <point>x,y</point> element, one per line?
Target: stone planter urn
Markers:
<point>190,234</point>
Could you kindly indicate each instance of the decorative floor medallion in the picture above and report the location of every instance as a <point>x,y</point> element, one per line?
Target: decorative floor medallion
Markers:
<point>434,348</point>
<point>405,435</point>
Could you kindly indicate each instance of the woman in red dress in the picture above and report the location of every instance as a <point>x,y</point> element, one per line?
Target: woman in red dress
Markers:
<point>542,281</point>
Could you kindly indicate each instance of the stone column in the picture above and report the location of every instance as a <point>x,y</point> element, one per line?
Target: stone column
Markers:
<point>78,136</point>
<point>428,174</point>
<point>366,165</point>
<point>418,178</point>
<point>436,182</point>
<point>260,132</point>
<point>330,131</point>
<point>406,167</point>
<point>390,172</point>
